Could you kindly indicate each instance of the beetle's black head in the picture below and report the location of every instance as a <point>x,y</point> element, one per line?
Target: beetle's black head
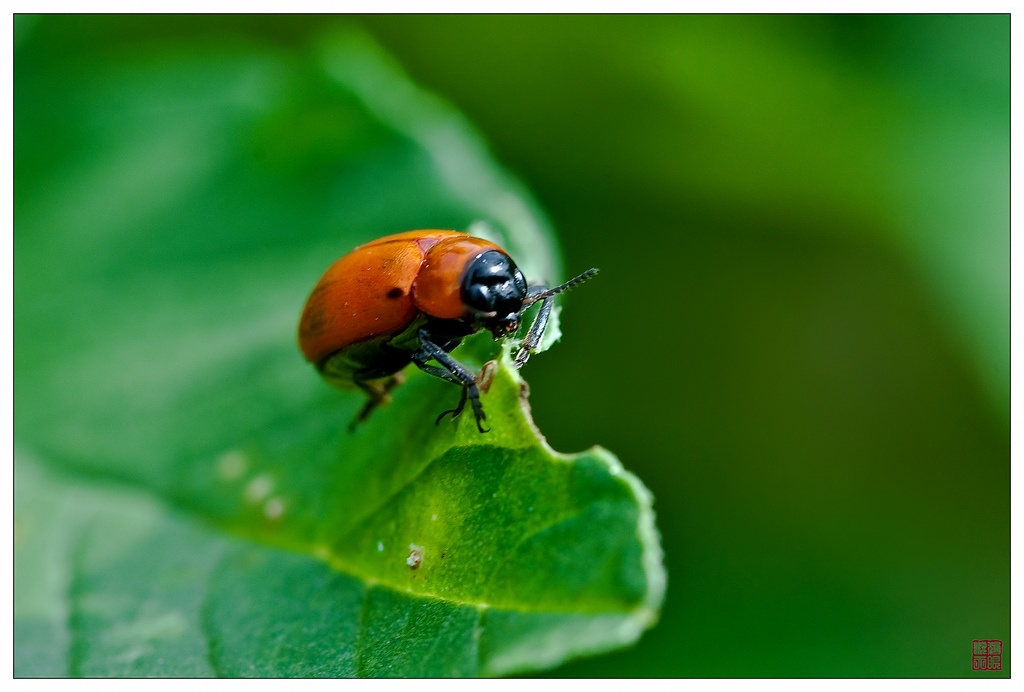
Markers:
<point>494,289</point>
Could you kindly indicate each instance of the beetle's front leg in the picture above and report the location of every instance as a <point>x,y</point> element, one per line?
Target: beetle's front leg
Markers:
<point>537,329</point>
<point>454,372</point>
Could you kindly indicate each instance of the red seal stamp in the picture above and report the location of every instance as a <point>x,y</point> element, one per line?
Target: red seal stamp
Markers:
<point>987,654</point>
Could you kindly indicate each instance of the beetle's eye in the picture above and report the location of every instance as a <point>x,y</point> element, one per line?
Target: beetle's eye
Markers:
<point>493,283</point>
<point>520,281</point>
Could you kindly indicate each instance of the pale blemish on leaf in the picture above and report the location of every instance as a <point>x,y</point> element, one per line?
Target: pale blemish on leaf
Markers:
<point>415,556</point>
<point>231,465</point>
<point>273,508</point>
<point>258,488</point>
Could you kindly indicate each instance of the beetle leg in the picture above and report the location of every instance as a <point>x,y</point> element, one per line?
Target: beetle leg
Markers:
<point>540,323</point>
<point>454,411</point>
<point>447,377</point>
<point>454,372</point>
<point>440,373</point>
<point>377,391</point>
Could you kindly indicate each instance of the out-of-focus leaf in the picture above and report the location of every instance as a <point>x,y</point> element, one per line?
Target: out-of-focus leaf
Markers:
<point>885,132</point>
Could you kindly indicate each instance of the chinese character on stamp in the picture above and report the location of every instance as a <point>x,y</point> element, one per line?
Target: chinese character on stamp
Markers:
<point>987,654</point>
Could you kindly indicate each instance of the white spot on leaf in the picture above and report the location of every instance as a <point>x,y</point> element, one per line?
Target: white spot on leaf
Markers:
<point>415,556</point>
<point>273,509</point>
<point>231,465</point>
<point>258,488</point>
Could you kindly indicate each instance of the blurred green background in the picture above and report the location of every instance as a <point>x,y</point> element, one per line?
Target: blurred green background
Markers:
<point>800,336</point>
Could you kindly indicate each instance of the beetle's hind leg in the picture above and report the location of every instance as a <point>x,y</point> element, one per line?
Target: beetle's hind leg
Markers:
<point>454,372</point>
<point>377,392</point>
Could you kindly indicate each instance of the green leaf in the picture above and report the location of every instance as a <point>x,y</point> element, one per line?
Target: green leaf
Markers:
<point>189,501</point>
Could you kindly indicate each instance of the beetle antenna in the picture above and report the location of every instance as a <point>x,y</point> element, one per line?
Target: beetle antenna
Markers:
<point>564,287</point>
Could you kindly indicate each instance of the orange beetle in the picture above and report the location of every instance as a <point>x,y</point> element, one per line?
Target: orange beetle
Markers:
<point>411,298</point>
